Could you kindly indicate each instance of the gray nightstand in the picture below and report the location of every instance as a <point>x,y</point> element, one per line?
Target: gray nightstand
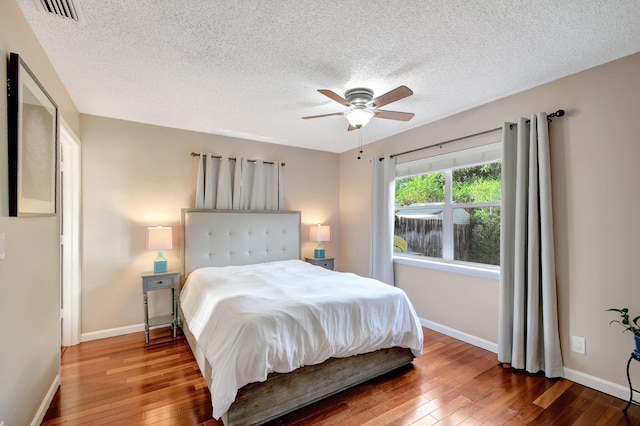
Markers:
<point>166,280</point>
<point>325,262</point>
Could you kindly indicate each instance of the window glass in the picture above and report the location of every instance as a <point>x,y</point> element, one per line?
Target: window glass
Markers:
<point>419,233</point>
<point>477,235</point>
<point>420,190</point>
<point>418,222</point>
<point>477,184</point>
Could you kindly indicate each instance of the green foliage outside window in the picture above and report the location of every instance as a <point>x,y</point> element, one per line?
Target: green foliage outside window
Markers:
<point>485,236</point>
<point>478,184</point>
<point>420,189</point>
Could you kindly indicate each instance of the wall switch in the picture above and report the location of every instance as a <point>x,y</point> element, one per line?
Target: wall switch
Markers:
<point>1,255</point>
<point>578,345</point>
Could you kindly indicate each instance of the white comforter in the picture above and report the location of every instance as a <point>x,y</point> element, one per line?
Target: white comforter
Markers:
<point>278,316</point>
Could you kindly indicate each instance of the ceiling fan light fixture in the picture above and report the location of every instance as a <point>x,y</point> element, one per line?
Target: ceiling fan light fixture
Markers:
<point>363,106</point>
<point>359,117</point>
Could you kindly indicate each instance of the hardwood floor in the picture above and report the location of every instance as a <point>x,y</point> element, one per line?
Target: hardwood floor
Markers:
<point>119,381</point>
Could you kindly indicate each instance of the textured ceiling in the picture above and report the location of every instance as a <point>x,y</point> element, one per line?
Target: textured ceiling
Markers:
<point>250,69</point>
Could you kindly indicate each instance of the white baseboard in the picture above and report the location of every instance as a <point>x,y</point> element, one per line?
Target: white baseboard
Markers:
<point>46,402</point>
<point>111,332</point>
<point>597,383</point>
<point>456,334</point>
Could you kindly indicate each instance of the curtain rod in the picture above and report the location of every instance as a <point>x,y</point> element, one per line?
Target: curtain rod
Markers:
<point>558,113</point>
<point>196,154</point>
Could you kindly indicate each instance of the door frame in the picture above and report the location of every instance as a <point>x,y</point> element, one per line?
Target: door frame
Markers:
<point>70,277</point>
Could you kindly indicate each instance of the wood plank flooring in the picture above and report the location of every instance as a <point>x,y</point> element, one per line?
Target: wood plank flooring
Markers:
<point>119,381</point>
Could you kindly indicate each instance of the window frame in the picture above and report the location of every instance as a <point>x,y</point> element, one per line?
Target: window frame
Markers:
<point>447,262</point>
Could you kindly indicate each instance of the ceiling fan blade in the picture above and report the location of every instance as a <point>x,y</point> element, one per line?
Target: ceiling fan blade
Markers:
<point>392,96</point>
<point>393,115</point>
<point>335,97</point>
<point>323,115</point>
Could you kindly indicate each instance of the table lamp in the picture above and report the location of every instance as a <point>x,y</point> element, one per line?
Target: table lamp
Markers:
<point>319,233</point>
<point>159,238</point>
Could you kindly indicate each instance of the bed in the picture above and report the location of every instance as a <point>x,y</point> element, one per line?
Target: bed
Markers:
<point>257,249</point>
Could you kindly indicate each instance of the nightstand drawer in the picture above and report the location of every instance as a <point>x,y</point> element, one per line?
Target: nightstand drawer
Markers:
<point>326,263</point>
<point>155,283</point>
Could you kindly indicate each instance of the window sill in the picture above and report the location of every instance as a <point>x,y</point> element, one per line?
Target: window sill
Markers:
<point>456,268</point>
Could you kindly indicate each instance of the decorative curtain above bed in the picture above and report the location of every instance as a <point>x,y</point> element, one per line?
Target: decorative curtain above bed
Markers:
<point>239,184</point>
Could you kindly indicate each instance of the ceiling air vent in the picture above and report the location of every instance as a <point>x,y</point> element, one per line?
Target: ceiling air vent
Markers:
<point>68,9</point>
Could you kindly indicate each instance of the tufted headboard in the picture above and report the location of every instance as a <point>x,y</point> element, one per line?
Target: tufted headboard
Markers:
<point>237,237</point>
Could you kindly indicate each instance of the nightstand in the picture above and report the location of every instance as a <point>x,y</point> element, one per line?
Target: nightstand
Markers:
<point>161,281</point>
<point>325,262</point>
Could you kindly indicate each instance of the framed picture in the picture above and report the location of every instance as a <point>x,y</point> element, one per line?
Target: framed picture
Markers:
<point>33,143</point>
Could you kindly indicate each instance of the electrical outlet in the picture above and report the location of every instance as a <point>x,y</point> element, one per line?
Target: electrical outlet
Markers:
<point>2,249</point>
<point>578,345</point>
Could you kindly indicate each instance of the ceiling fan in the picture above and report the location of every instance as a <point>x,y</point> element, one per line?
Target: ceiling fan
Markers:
<point>363,107</point>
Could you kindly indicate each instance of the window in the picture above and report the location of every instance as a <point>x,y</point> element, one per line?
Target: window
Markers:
<point>447,208</point>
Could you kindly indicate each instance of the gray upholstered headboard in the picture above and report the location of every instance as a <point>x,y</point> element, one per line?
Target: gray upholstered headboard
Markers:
<point>237,237</point>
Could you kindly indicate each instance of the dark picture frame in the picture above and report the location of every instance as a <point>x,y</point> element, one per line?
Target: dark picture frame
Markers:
<point>33,143</point>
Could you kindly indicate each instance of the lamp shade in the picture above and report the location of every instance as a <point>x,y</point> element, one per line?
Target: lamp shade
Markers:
<point>320,233</point>
<point>358,117</point>
<point>159,238</point>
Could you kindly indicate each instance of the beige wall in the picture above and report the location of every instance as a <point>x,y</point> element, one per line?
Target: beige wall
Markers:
<point>428,291</point>
<point>136,175</point>
<point>29,284</point>
<point>595,151</point>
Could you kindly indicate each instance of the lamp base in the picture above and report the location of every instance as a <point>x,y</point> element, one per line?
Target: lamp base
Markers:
<point>160,266</point>
<point>318,253</point>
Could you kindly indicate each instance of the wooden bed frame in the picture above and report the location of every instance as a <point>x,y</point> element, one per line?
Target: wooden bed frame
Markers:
<point>231,237</point>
